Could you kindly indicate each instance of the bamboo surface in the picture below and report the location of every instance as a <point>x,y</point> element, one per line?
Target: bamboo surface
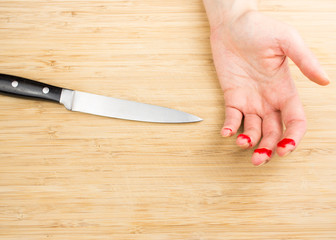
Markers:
<point>67,175</point>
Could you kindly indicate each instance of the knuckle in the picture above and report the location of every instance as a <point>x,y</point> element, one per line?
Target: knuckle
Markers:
<point>273,134</point>
<point>292,32</point>
<point>253,129</point>
<point>299,124</point>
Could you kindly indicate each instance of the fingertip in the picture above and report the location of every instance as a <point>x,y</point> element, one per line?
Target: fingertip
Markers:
<point>283,152</point>
<point>322,80</point>
<point>285,146</point>
<point>261,156</point>
<point>315,72</point>
<point>226,132</point>
<point>244,141</point>
<point>325,80</point>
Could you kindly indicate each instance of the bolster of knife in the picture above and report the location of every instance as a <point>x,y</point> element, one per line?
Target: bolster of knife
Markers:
<point>23,87</point>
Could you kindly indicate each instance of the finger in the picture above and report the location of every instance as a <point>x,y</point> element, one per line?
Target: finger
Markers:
<point>272,132</point>
<point>232,121</point>
<point>295,121</point>
<point>252,131</point>
<point>294,47</point>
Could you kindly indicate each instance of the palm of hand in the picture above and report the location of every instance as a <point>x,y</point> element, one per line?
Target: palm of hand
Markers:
<point>250,59</point>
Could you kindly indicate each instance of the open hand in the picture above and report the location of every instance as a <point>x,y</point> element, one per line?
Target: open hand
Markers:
<point>250,55</point>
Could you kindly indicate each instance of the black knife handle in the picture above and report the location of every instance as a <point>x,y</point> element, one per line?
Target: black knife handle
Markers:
<point>24,87</point>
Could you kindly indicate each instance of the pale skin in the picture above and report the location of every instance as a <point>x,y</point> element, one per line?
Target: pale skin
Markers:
<point>250,53</point>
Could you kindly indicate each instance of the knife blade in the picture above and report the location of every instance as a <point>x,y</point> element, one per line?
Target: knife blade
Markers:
<point>92,103</point>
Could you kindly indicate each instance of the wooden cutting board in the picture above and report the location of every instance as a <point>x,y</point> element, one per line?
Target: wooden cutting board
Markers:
<point>66,175</point>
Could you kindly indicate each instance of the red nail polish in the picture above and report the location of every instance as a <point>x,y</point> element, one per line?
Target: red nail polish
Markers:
<point>228,129</point>
<point>243,136</point>
<point>264,151</point>
<point>283,143</point>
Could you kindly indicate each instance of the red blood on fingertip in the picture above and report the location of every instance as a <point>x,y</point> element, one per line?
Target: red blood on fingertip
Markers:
<point>284,142</point>
<point>244,136</point>
<point>264,151</point>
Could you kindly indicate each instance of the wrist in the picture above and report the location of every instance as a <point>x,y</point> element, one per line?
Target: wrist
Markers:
<point>225,11</point>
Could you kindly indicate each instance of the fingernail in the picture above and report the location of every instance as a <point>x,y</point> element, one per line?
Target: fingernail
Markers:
<point>226,132</point>
<point>285,146</point>
<point>286,141</point>
<point>244,141</point>
<point>262,156</point>
<point>264,151</point>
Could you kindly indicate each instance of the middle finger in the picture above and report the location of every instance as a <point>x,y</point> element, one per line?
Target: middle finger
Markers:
<point>252,131</point>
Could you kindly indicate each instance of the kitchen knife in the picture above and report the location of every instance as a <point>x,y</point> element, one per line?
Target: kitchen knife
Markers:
<point>92,103</point>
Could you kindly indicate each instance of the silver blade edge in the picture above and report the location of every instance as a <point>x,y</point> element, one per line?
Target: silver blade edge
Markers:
<point>122,109</point>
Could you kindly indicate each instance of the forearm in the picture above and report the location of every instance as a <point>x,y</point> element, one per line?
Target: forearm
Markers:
<point>221,11</point>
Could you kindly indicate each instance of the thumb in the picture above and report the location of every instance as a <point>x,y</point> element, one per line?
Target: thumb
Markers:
<point>294,47</point>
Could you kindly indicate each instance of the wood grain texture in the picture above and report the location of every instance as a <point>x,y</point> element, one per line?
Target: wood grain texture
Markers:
<point>66,175</point>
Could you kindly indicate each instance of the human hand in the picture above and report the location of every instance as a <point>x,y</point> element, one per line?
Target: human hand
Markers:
<point>250,55</point>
